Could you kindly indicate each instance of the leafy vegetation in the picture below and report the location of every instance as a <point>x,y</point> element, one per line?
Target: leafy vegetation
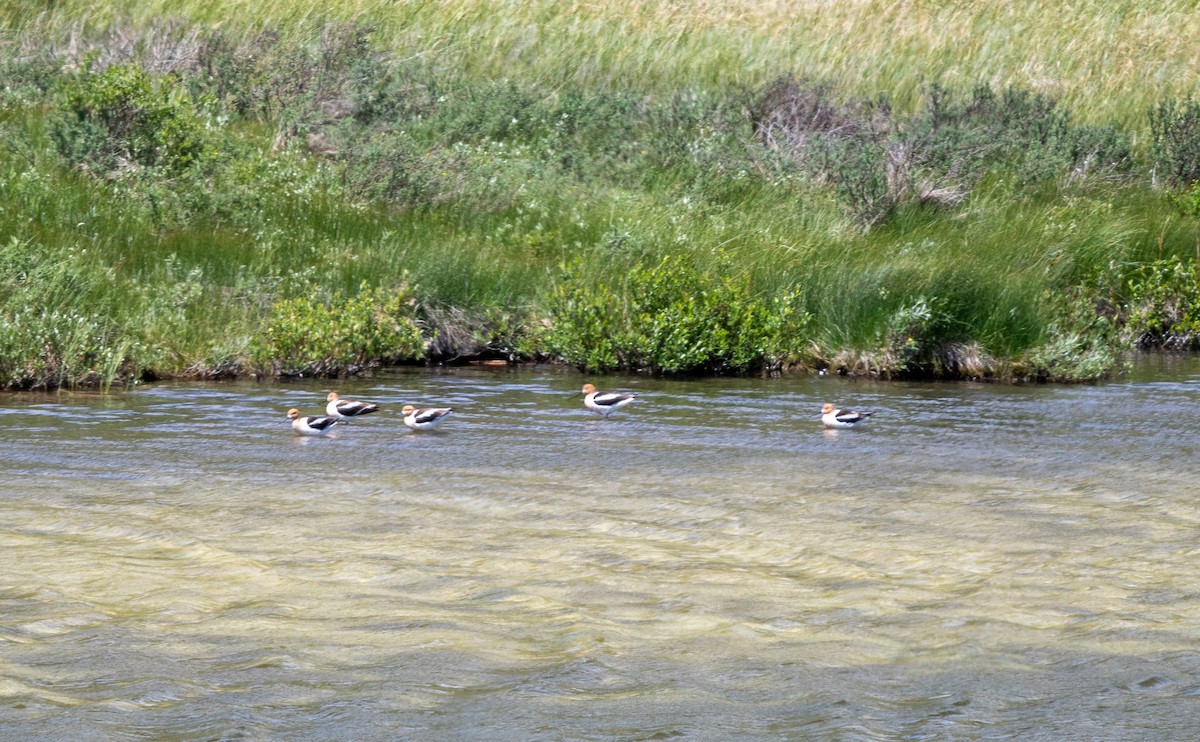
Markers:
<point>50,335</point>
<point>671,318</point>
<point>334,335</point>
<point>303,192</point>
<point>878,161</point>
<point>125,117</point>
<point>1165,305</point>
<point>1175,140</point>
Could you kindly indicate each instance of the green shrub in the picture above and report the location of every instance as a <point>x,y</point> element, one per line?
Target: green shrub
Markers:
<point>122,116</point>
<point>672,318</point>
<point>290,82</point>
<point>1081,344</point>
<point>878,161</point>
<point>1186,200</point>
<point>49,336</point>
<point>439,140</point>
<point>27,81</point>
<point>1024,132</point>
<point>394,169</point>
<point>511,334</point>
<point>253,182</point>
<point>391,167</point>
<point>1175,140</point>
<point>1164,305</point>
<point>335,334</point>
<point>915,332</point>
<point>240,75</point>
<point>43,348</point>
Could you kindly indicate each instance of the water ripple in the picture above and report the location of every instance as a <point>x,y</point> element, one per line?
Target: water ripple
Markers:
<point>978,562</point>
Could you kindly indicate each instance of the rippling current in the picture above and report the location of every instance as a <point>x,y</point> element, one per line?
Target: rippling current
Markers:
<point>978,562</point>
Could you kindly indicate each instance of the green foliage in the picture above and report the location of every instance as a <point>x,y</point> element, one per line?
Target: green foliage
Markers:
<point>232,74</point>
<point>262,76</point>
<point>915,332</point>
<point>49,337</point>
<point>512,335</point>
<point>33,274</point>
<point>440,111</point>
<point>1186,200</point>
<point>336,334</point>
<point>1081,345</point>
<point>392,168</point>
<point>1164,305</point>
<point>333,161</point>
<point>124,116</point>
<point>879,161</point>
<point>190,324</point>
<point>1175,140</point>
<point>29,80</point>
<point>480,144</point>
<point>671,318</point>
<point>43,348</point>
<point>1019,130</point>
<point>252,182</point>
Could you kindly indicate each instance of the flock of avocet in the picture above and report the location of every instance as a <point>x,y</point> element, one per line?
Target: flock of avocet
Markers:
<point>338,410</point>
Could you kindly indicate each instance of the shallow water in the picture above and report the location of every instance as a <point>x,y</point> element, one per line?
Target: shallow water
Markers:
<point>979,562</point>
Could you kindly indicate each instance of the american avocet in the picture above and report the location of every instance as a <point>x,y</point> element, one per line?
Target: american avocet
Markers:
<point>311,424</point>
<point>604,403</point>
<point>833,417</point>
<point>344,409</point>
<point>424,419</point>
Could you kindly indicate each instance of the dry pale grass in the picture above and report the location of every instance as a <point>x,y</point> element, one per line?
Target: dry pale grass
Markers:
<point>950,361</point>
<point>1106,61</point>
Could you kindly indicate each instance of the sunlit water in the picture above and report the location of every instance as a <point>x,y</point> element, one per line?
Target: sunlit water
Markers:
<point>979,562</point>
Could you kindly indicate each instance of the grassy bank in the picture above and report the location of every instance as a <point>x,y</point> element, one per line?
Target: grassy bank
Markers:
<point>723,190</point>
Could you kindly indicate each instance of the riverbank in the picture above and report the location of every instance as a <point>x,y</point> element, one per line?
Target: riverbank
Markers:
<point>324,195</point>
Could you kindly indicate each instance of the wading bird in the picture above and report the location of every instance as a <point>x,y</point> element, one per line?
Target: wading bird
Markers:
<point>344,409</point>
<point>424,419</point>
<point>833,417</point>
<point>604,403</point>
<point>311,424</point>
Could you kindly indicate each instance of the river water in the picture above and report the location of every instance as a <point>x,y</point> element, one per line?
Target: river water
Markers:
<point>978,562</point>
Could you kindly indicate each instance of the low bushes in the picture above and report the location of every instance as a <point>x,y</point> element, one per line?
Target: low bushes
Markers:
<point>44,348</point>
<point>1164,305</point>
<point>672,318</point>
<point>1175,140</point>
<point>50,335</point>
<point>879,161</point>
<point>123,117</point>
<point>319,335</point>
